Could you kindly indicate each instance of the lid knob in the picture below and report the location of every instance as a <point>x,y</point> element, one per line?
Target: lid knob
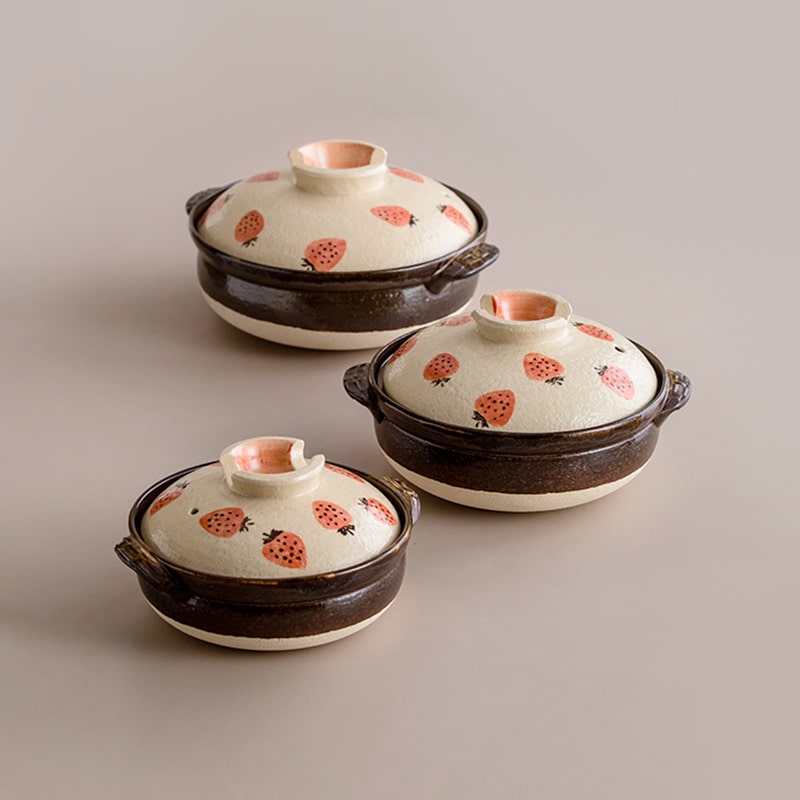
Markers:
<point>270,466</point>
<point>338,167</point>
<point>522,314</point>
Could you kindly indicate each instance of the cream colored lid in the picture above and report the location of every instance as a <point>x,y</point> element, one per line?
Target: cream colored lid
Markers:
<point>523,362</point>
<point>338,207</point>
<point>265,511</point>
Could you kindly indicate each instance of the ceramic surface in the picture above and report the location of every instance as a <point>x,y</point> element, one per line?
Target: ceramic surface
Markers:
<point>279,566</point>
<point>523,362</point>
<point>338,208</point>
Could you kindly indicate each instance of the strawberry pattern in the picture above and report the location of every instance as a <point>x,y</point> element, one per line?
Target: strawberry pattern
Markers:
<point>440,369</point>
<point>407,174</point>
<point>395,215</point>
<point>248,228</point>
<point>587,375</point>
<point>323,255</point>
<point>345,472</point>
<point>190,523</point>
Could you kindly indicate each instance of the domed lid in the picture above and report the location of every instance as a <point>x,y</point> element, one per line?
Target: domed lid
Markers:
<point>522,362</point>
<point>338,207</point>
<point>265,511</point>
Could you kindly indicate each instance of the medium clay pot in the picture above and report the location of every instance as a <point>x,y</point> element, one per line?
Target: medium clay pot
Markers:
<point>521,406</point>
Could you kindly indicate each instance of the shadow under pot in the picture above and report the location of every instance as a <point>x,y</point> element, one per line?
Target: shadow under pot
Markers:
<point>268,550</point>
<point>520,406</point>
<point>338,252</point>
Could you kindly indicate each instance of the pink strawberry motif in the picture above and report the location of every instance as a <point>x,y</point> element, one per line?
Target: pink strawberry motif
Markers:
<point>539,367</point>
<point>225,522</point>
<point>264,176</point>
<point>616,379</point>
<point>345,472</point>
<point>454,322</point>
<point>494,408</point>
<point>167,496</point>
<point>215,208</point>
<point>323,255</point>
<point>456,217</point>
<point>407,174</point>
<point>284,548</point>
<point>440,369</point>
<point>394,215</point>
<point>594,330</point>
<point>248,228</point>
<point>333,517</point>
<point>407,345</point>
<point>378,510</point>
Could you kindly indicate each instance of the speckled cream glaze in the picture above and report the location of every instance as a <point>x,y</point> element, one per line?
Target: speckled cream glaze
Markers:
<point>523,362</point>
<point>268,512</point>
<point>348,213</point>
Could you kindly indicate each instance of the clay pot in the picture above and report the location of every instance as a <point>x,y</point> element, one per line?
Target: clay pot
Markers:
<point>340,251</point>
<point>521,406</point>
<point>268,550</point>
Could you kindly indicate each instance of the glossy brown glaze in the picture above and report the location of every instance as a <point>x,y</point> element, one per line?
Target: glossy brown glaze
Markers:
<point>348,301</point>
<point>265,609</point>
<point>515,463</point>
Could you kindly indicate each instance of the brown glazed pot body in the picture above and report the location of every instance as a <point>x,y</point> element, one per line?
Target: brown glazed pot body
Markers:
<point>350,302</point>
<point>515,463</point>
<point>269,609</point>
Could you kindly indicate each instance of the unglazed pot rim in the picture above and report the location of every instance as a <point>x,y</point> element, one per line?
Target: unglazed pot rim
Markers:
<point>671,385</point>
<point>404,506</point>
<point>251,270</point>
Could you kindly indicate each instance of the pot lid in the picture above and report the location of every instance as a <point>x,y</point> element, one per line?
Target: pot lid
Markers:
<point>523,363</point>
<point>338,207</point>
<point>265,511</point>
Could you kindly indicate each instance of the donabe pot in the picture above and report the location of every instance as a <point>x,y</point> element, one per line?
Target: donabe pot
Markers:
<point>511,470</point>
<point>270,613</point>
<point>324,291</point>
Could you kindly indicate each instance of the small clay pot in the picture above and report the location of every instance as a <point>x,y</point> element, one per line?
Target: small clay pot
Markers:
<point>522,406</point>
<point>265,550</point>
<point>338,252</point>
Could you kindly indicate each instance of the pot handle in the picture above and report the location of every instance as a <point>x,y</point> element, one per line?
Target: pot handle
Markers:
<point>134,555</point>
<point>201,197</point>
<point>680,389</point>
<point>356,384</point>
<point>406,490</point>
<point>465,265</point>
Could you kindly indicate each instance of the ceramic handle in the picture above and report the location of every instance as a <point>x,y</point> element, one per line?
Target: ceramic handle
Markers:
<point>201,197</point>
<point>407,491</point>
<point>356,384</point>
<point>680,389</point>
<point>469,263</point>
<point>134,555</point>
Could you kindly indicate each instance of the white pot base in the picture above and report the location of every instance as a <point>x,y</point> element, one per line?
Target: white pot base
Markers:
<point>248,643</point>
<point>500,501</point>
<point>313,340</point>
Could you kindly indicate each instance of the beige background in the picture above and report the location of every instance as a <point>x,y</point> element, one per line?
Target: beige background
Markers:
<point>638,158</point>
